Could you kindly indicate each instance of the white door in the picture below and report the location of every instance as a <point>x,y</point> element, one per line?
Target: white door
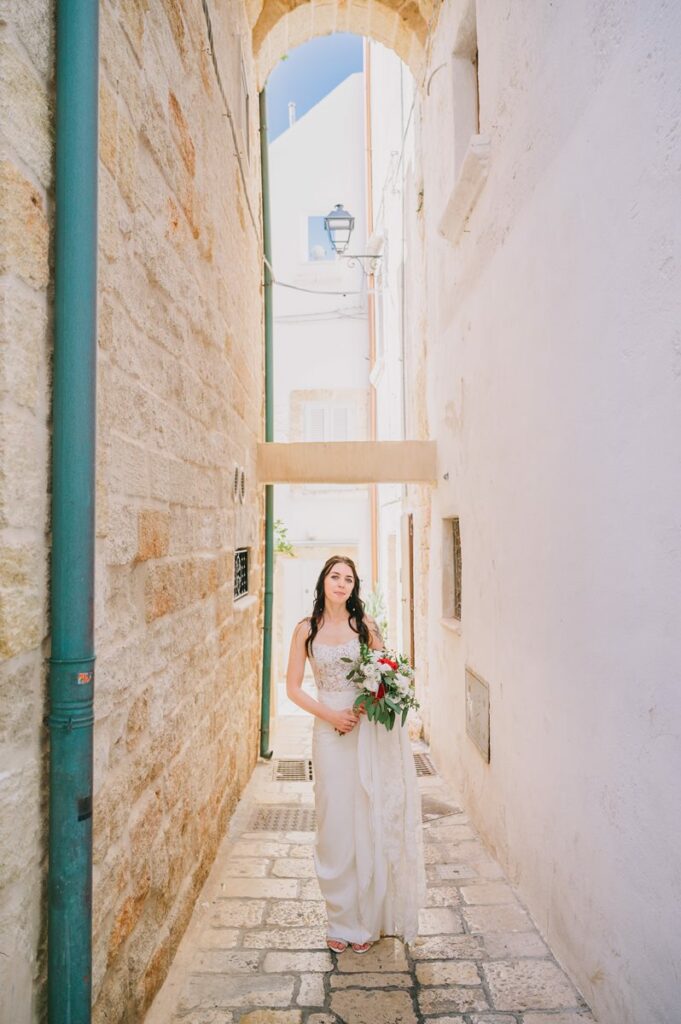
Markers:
<point>299,579</point>
<point>407,576</point>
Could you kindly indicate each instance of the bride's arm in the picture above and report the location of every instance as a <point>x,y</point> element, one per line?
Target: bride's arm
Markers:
<point>294,677</point>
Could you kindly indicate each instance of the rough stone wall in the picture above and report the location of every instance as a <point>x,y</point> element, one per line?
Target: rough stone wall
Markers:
<point>25,344</point>
<point>180,404</point>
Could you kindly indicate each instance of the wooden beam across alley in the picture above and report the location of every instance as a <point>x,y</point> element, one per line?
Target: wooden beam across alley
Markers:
<point>347,462</point>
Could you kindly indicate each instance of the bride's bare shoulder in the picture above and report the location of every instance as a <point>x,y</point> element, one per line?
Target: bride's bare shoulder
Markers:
<point>301,631</point>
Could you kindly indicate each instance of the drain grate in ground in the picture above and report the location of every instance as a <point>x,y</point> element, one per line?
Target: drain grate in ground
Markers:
<point>294,818</point>
<point>424,766</point>
<point>432,808</point>
<point>293,770</point>
<point>284,818</point>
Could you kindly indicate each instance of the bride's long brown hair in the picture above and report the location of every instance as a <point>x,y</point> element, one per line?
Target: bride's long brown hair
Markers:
<point>354,604</point>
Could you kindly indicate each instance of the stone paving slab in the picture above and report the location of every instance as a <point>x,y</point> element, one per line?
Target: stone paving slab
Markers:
<point>440,921</point>
<point>206,991</point>
<point>570,1017</point>
<point>453,997</point>
<point>441,947</point>
<point>296,912</point>
<point>504,918</point>
<point>294,962</point>
<point>492,1018</point>
<point>218,938</point>
<point>443,896</point>
<point>222,961</point>
<point>448,972</point>
<point>504,946</point>
<point>226,913</point>
<point>286,938</point>
<point>255,951</point>
<point>361,1006</point>
<point>385,979</point>
<point>312,991</point>
<point>492,892</point>
<point>385,956</point>
<point>529,985</point>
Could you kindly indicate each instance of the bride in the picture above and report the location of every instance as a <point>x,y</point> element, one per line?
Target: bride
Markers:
<point>368,853</point>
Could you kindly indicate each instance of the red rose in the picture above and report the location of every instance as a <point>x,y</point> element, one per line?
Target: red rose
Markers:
<point>387,661</point>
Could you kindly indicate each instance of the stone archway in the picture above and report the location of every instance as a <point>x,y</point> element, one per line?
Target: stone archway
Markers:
<point>280,25</point>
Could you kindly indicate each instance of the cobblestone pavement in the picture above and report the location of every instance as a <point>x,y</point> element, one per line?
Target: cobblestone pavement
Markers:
<point>254,952</point>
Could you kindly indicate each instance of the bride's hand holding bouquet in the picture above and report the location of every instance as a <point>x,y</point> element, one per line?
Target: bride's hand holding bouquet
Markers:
<point>385,681</point>
<point>345,720</point>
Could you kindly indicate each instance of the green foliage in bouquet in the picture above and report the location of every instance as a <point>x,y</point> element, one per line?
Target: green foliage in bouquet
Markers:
<point>386,682</point>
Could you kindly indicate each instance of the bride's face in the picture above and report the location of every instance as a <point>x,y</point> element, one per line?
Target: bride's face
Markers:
<point>339,583</point>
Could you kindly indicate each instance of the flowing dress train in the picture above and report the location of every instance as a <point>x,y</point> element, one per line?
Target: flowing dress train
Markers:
<point>368,853</point>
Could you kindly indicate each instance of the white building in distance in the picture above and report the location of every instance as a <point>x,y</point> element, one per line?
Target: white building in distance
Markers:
<point>321,346</point>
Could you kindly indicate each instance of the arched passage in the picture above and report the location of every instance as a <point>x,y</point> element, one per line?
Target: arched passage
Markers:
<point>352,413</point>
<point>279,25</point>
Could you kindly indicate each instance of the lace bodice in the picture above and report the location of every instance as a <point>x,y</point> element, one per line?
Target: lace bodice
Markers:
<point>329,671</point>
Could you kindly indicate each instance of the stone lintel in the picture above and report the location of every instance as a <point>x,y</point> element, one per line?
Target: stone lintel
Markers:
<point>347,462</point>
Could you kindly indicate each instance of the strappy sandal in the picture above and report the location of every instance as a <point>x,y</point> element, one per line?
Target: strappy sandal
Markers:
<point>361,947</point>
<point>337,945</point>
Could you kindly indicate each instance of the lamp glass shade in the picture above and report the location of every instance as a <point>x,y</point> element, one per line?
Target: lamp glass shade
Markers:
<point>339,224</point>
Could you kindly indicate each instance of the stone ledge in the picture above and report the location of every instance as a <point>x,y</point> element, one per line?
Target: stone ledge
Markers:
<point>467,188</point>
<point>453,625</point>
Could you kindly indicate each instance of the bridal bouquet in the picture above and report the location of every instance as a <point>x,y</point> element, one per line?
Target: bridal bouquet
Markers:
<point>386,684</point>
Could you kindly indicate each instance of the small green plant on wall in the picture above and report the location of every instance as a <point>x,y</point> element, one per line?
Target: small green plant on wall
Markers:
<point>374,605</point>
<point>282,545</point>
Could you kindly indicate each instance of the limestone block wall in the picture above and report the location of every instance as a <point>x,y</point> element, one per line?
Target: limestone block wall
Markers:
<point>553,394</point>
<point>278,28</point>
<point>25,347</point>
<point>180,404</point>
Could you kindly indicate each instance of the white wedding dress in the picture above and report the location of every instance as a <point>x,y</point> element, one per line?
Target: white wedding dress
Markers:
<point>368,853</point>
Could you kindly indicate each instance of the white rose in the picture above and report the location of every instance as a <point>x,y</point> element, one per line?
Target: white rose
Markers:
<point>371,683</point>
<point>372,677</point>
<point>402,683</point>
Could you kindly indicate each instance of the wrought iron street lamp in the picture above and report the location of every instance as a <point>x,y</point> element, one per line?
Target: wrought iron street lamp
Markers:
<point>340,225</point>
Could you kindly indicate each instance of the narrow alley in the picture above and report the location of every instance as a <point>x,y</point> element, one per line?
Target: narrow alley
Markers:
<point>255,951</point>
<point>386,283</point>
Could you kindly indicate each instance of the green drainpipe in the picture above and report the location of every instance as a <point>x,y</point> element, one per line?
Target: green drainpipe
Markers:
<point>71,665</point>
<point>269,436</point>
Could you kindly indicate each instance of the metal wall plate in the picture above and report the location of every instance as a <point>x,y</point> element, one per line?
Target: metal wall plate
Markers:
<point>240,573</point>
<point>477,712</point>
<point>291,769</point>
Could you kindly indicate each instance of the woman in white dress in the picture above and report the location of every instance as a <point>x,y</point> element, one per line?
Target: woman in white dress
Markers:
<point>368,853</point>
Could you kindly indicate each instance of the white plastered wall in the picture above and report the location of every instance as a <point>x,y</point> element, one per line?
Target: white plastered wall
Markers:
<point>554,379</point>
